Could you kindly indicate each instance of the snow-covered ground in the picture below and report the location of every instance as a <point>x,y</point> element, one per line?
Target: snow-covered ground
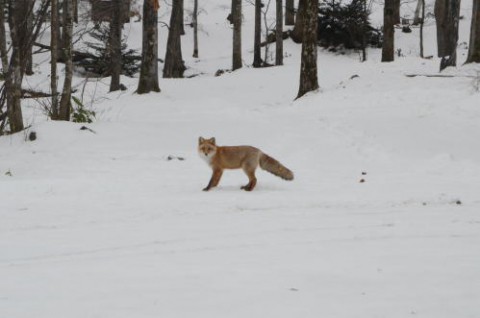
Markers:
<point>110,223</point>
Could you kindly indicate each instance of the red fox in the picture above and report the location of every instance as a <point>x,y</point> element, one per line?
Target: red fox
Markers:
<point>247,158</point>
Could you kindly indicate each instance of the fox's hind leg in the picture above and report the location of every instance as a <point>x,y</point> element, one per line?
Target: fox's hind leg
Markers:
<point>251,177</point>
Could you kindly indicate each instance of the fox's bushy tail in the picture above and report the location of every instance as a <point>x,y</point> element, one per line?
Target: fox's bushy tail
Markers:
<point>273,166</point>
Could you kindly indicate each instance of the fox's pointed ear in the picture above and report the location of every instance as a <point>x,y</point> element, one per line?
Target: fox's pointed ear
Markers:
<point>212,140</point>
<point>201,140</point>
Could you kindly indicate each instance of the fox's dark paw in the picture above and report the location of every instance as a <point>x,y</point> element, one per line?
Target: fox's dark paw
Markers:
<point>246,188</point>
<point>206,189</point>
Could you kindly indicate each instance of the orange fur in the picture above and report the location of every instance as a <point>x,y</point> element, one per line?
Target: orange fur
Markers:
<point>247,158</point>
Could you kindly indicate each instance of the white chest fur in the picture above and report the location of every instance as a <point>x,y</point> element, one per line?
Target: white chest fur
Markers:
<point>206,158</point>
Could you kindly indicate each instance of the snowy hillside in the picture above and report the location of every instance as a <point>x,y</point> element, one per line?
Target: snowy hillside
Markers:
<point>382,219</point>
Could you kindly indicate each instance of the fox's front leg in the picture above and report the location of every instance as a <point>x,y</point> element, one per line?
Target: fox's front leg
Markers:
<point>217,174</point>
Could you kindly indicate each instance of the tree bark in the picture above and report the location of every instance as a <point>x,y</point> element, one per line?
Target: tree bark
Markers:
<point>63,42</point>
<point>54,58</point>
<point>232,11</point>
<point>182,12</point>
<point>75,10</point>
<point>396,12</point>
<point>116,45</point>
<point>447,16</point>
<point>308,70</point>
<point>289,12</point>
<point>149,69</point>
<point>22,35</point>
<point>297,32</point>
<point>14,78</point>
<point>364,30</point>
<point>237,35</point>
<point>388,31</point>
<point>3,40</point>
<point>195,28</point>
<point>257,58</point>
<point>279,34</point>
<point>29,52</point>
<point>174,65</point>
<point>65,101</point>
<point>422,19</point>
<point>474,46</point>
<point>416,15</point>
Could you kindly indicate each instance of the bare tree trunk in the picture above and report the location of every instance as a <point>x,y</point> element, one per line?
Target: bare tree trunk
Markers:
<point>54,58</point>
<point>65,102</point>
<point>416,15</point>
<point>297,32</point>
<point>279,34</point>
<point>388,31</point>
<point>447,16</point>
<point>174,65</point>
<point>257,59</point>
<point>289,12</point>
<point>63,41</point>
<point>474,47</point>
<point>3,39</point>
<point>195,28</point>
<point>422,19</point>
<point>22,36</point>
<point>15,75</point>
<point>308,70</point>
<point>267,30</point>
<point>116,45</point>
<point>182,19</point>
<point>75,11</point>
<point>59,31</point>
<point>364,30</point>
<point>149,70</point>
<point>232,11</point>
<point>29,52</point>
<point>237,35</point>
<point>4,58</point>
<point>396,12</point>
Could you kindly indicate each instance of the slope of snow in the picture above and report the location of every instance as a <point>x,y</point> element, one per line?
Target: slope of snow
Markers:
<point>111,223</point>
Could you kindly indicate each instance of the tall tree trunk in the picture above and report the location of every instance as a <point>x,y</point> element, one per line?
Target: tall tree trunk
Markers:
<point>364,30</point>
<point>182,13</point>
<point>75,10</point>
<point>29,51</point>
<point>59,31</point>
<point>297,32</point>
<point>474,47</point>
<point>257,59</point>
<point>54,58</point>
<point>232,11</point>
<point>22,35</point>
<point>308,70</point>
<point>279,34</point>
<point>447,16</point>
<point>396,12</point>
<point>149,69</point>
<point>195,28</point>
<point>174,65</point>
<point>388,32</point>
<point>416,15</point>
<point>63,42</point>
<point>15,74</point>
<point>422,19</point>
<point>66,100</point>
<point>116,45</point>
<point>289,12</point>
<point>237,35</point>
<point>265,25</point>
<point>3,39</point>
